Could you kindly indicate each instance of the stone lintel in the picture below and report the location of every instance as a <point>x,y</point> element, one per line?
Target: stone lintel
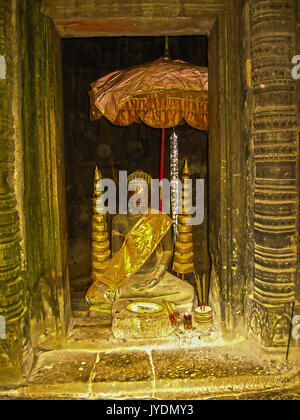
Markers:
<point>132,26</point>
<point>133,18</point>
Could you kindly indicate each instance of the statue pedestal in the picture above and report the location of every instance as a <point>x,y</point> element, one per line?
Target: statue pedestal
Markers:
<point>104,315</point>
<point>127,324</point>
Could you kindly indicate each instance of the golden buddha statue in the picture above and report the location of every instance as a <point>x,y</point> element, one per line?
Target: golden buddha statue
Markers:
<point>142,248</point>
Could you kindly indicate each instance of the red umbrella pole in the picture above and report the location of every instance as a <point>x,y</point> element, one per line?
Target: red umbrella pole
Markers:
<point>162,165</point>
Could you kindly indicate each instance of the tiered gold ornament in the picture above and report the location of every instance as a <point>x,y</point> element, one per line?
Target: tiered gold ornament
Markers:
<point>100,239</point>
<point>183,255</point>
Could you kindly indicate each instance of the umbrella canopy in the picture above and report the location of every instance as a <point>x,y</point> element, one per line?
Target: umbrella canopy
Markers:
<point>162,94</point>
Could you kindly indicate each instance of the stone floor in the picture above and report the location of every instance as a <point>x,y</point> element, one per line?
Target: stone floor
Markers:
<point>157,371</point>
<point>200,373</point>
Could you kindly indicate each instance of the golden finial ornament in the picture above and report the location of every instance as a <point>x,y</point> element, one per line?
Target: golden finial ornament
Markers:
<point>167,52</point>
<point>100,239</point>
<point>183,254</point>
<point>140,176</point>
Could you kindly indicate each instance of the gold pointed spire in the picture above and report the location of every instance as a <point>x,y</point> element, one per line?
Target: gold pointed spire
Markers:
<point>100,241</point>
<point>184,256</point>
<point>98,175</point>
<point>167,52</point>
<point>185,171</point>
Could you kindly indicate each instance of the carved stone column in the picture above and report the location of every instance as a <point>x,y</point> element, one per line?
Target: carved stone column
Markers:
<point>14,344</point>
<point>275,139</point>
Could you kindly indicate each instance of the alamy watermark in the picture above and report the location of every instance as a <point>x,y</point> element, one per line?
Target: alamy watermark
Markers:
<point>296,327</point>
<point>2,328</point>
<point>296,68</point>
<point>2,67</point>
<point>143,198</point>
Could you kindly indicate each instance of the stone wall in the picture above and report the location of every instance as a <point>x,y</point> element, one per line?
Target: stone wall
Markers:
<point>44,175</point>
<point>34,299</point>
<point>275,137</point>
<point>298,106</point>
<point>15,346</point>
<point>228,155</point>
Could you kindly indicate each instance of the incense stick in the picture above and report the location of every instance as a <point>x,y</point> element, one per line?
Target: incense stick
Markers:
<point>199,290</point>
<point>290,332</point>
<point>170,312</point>
<point>204,290</point>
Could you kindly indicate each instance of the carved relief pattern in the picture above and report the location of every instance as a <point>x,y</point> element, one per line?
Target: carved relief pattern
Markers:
<point>270,325</point>
<point>11,281</point>
<point>275,138</point>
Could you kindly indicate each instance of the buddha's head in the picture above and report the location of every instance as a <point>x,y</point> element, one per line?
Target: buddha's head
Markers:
<point>139,188</point>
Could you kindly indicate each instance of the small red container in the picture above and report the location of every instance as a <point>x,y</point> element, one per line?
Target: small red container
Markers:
<point>187,321</point>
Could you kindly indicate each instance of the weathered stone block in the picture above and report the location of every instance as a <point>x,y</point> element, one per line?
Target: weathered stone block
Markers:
<point>61,372</point>
<point>127,373</point>
<point>129,325</point>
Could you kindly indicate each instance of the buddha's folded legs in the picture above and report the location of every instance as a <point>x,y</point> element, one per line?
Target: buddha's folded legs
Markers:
<point>170,288</point>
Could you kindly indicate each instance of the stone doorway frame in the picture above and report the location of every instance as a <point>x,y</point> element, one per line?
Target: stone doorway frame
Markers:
<point>220,21</point>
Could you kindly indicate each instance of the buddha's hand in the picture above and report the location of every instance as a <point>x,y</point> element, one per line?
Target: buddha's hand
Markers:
<point>99,293</point>
<point>153,282</point>
<point>147,286</point>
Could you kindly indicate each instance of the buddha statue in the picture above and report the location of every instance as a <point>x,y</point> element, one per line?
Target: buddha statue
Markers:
<point>152,255</point>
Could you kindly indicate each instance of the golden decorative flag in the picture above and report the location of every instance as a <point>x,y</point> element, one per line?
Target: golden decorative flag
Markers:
<point>140,242</point>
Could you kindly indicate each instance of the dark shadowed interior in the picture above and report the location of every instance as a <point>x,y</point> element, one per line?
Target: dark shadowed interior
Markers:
<point>114,148</point>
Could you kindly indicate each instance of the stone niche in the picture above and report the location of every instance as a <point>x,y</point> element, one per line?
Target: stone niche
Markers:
<point>113,148</point>
<point>138,147</point>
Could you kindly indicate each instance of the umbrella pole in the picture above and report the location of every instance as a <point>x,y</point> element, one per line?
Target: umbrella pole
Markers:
<point>174,181</point>
<point>162,165</point>
<point>290,332</point>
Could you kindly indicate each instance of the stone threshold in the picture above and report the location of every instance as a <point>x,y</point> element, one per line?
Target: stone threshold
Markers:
<point>241,371</point>
<point>95,335</point>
